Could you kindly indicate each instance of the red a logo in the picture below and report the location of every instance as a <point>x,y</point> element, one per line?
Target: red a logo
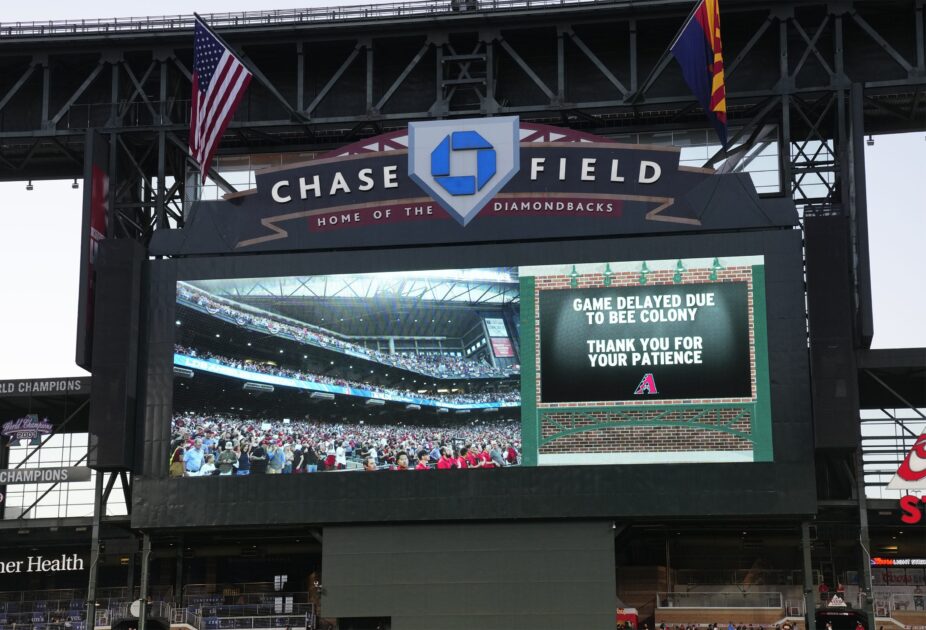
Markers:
<point>647,385</point>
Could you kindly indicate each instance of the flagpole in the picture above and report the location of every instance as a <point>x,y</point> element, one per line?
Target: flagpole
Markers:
<point>662,62</point>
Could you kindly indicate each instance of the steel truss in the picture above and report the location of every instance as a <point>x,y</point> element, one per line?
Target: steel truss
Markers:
<point>320,83</point>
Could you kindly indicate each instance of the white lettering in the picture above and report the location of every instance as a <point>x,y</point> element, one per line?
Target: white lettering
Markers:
<point>536,167</point>
<point>364,176</point>
<point>275,192</point>
<point>588,169</point>
<point>338,184</point>
<point>389,177</point>
<point>305,188</point>
<point>653,177</point>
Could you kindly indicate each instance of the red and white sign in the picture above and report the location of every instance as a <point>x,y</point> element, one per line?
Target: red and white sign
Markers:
<point>911,477</point>
<point>502,347</point>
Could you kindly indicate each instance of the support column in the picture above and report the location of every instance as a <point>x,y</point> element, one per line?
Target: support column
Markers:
<point>864,542</point>
<point>178,576</point>
<point>810,602</point>
<point>143,586</point>
<point>99,507</point>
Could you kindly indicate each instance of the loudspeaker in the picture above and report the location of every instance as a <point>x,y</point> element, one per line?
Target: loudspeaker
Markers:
<point>115,354</point>
<point>833,368</point>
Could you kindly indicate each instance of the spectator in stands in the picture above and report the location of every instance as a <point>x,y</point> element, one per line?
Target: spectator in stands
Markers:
<point>369,464</point>
<point>298,460</point>
<point>176,462</point>
<point>194,457</point>
<point>340,456</point>
<point>227,460</point>
<point>446,461</point>
<point>244,459</point>
<point>208,467</point>
<point>276,460</point>
<point>423,459</point>
<point>288,458</point>
<point>499,460</point>
<point>311,458</point>
<point>258,459</point>
<point>401,461</point>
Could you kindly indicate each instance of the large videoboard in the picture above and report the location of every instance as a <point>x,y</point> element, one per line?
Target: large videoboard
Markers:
<point>616,363</point>
<point>540,382</point>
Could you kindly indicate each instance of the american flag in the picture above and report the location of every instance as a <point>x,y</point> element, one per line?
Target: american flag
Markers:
<point>219,82</point>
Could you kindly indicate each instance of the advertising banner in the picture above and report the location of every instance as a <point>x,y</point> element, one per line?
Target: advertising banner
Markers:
<point>502,348</point>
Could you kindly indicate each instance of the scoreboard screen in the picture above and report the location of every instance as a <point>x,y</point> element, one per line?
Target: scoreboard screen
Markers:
<point>615,362</point>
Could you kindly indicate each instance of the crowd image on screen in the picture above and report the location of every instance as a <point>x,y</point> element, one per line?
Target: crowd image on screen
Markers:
<point>506,393</point>
<point>434,365</point>
<point>206,445</point>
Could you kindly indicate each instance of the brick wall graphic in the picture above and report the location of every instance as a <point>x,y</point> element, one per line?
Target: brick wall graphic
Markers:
<point>643,430</point>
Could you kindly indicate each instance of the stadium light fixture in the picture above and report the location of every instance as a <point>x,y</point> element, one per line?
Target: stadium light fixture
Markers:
<point>870,142</point>
<point>281,350</point>
<point>177,322</point>
<point>29,186</point>
<point>217,335</point>
<point>74,185</point>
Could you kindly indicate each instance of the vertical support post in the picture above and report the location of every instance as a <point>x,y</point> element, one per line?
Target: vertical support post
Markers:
<point>633,55</point>
<point>560,67</point>
<point>130,578</point>
<point>160,202</point>
<point>114,95</point>
<point>491,106</point>
<point>784,85</point>
<point>859,201</point>
<point>920,43</point>
<point>810,604</point>
<point>668,567</point>
<point>439,106</point>
<point>46,86</point>
<point>300,78</point>
<point>178,574</point>
<point>98,508</point>
<point>369,47</point>
<point>864,541</point>
<point>143,585</point>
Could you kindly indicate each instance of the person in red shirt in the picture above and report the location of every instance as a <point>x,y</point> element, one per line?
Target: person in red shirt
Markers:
<point>446,461</point>
<point>485,460</point>
<point>401,461</point>
<point>423,458</point>
<point>461,458</point>
<point>472,461</point>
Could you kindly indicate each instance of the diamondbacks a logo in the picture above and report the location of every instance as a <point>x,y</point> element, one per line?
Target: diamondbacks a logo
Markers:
<point>462,164</point>
<point>911,474</point>
<point>646,386</point>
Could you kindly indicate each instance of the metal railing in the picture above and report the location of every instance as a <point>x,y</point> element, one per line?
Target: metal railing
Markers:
<point>247,623</point>
<point>741,577</point>
<point>769,599</point>
<point>386,10</point>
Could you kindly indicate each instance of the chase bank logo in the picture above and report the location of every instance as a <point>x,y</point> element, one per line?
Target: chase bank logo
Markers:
<point>462,164</point>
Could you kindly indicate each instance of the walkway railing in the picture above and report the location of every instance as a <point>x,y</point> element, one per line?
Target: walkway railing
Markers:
<point>252,19</point>
<point>720,600</point>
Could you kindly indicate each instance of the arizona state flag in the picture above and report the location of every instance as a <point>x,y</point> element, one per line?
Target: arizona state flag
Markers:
<point>698,51</point>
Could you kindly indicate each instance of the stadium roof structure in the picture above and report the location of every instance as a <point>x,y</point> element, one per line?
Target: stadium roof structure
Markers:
<point>401,304</point>
<point>470,286</point>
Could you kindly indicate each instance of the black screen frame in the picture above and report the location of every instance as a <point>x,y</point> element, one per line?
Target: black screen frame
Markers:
<point>782,488</point>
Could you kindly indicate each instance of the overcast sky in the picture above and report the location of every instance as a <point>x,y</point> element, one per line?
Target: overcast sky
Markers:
<point>40,230</point>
